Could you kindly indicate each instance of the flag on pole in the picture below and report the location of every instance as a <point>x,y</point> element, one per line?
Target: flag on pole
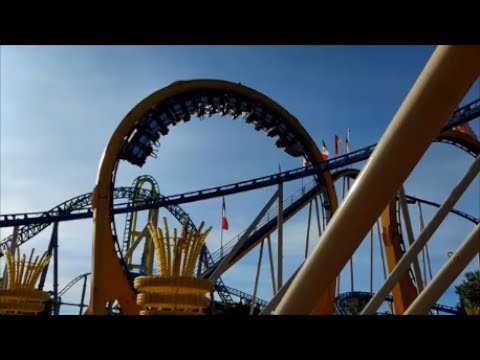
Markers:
<point>347,142</point>
<point>338,141</point>
<point>224,216</point>
<point>324,151</point>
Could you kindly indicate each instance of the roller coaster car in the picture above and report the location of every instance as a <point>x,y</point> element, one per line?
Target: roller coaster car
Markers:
<point>136,153</point>
<point>268,120</point>
<point>180,112</point>
<point>191,106</point>
<point>277,129</point>
<point>210,110</point>
<point>235,113</point>
<point>203,100</point>
<point>294,150</point>
<point>218,101</point>
<point>146,137</point>
<point>231,100</point>
<point>280,143</point>
<point>251,117</point>
<point>244,106</point>
<point>258,126</point>
<point>157,124</point>
<point>273,131</point>
<point>201,111</point>
<point>165,120</point>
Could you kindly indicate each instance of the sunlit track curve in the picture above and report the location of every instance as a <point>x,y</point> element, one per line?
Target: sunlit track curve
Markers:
<point>71,283</point>
<point>133,141</point>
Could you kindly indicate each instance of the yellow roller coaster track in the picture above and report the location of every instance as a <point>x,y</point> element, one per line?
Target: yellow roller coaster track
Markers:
<point>109,282</point>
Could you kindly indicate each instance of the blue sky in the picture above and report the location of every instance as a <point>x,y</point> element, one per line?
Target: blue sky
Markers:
<point>60,105</point>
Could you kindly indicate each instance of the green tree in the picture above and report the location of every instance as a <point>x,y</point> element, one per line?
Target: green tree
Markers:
<point>469,292</point>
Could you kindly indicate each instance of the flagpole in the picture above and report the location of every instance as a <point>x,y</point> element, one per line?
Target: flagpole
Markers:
<point>221,243</point>
<point>280,232</point>
<point>221,232</point>
<point>347,144</point>
<point>303,166</point>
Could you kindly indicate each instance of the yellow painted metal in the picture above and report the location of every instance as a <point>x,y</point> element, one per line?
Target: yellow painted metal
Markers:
<point>173,301</point>
<point>405,292</point>
<point>468,141</point>
<point>175,288</point>
<point>109,282</point>
<point>20,296</point>
<point>176,284</point>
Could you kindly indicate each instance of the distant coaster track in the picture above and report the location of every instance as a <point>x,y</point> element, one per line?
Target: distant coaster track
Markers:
<point>341,301</point>
<point>83,204</point>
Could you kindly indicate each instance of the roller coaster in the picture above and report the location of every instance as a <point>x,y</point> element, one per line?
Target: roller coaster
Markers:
<point>125,279</point>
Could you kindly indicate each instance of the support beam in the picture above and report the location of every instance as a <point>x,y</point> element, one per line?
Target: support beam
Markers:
<point>13,247</point>
<point>382,254</point>
<point>82,299</point>
<point>272,269</point>
<point>384,266</point>
<point>308,228</point>
<point>371,260</point>
<point>422,226</point>
<point>13,242</point>
<point>346,180</point>
<point>51,244</point>
<point>423,238</point>
<point>352,287</point>
<point>280,236</point>
<point>317,212</point>
<point>410,237</point>
<point>150,247</point>
<point>404,292</point>
<point>446,78</point>
<point>424,268</point>
<point>257,276</point>
<point>54,241</point>
<point>134,245</point>
<point>447,274</point>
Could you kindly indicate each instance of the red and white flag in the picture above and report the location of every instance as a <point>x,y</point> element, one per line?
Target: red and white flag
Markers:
<point>324,151</point>
<point>224,216</point>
